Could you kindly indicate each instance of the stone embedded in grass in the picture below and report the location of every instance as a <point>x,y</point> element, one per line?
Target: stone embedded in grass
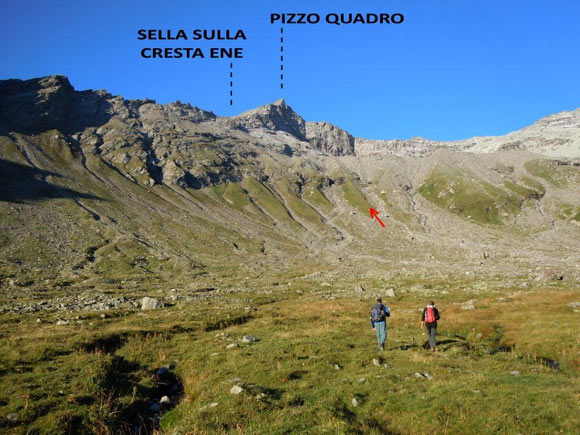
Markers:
<point>236,389</point>
<point>62,322</point>
<point>515,372</point>
<point>359,288</point>
<point>148,303</point>
<point>354,401</point>
<point>423,376</point>
<point>249,339</point>
<point>390,293</point>
<point>337,366</point>
<point>469,305</point>
<point>165,401</point>
<point>232,346</point>
<point>574,305</point>
<point>379,362</point>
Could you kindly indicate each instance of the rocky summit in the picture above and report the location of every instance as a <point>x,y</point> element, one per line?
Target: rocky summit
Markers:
<point>95,187</point>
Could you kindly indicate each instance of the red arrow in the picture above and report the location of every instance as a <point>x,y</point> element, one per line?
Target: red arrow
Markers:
<point>375,215</point>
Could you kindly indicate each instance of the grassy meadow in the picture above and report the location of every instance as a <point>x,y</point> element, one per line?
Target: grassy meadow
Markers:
<point>509,366</point>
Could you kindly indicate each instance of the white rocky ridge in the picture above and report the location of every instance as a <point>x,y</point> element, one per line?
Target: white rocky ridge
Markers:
<point>555,135</point>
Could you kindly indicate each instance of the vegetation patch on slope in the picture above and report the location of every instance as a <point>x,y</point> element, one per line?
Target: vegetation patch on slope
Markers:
<point>355,197</point>
<point>478,201</point>
<point>266,199</point>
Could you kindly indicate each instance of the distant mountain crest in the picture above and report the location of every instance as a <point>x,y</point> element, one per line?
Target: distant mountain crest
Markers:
<point>52,103</point>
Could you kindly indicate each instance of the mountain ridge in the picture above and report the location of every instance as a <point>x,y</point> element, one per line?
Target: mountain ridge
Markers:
<point>556,135</point>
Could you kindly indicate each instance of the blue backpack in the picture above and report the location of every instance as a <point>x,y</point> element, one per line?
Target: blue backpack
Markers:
<point>378,313</point>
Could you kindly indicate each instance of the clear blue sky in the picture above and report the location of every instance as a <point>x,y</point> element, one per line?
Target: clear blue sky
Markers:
<point>454,69</point>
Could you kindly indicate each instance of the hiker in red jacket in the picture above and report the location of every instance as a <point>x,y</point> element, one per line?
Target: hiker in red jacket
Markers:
<point>429,319</point>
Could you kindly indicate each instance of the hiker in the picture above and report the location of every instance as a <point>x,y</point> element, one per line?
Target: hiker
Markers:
<point>429,320</point>
<point>379,314</point>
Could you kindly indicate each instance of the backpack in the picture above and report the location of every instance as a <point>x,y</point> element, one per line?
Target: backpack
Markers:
<point>430,314</point>
<point>378,313</point>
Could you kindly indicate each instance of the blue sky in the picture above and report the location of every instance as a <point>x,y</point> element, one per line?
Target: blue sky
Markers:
<point>453,69</point>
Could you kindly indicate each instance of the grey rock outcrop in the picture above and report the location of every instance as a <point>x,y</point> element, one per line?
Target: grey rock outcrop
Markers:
<point>148,303</point>
<point>329,139</point>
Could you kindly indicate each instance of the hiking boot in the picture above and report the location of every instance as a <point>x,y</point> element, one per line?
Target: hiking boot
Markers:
<point>383,346</point>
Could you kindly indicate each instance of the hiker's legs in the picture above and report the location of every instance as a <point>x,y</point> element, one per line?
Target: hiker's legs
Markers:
<point>432,333</point>
<point>381,329</point>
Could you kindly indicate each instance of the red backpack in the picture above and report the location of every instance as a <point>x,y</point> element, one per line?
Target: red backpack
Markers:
<point>430,314</point>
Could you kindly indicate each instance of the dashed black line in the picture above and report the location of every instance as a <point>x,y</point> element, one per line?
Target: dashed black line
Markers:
<point>281,57</point>
<point>231,83</point>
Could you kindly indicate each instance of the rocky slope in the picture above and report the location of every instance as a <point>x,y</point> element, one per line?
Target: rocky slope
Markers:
<point>97,188</point>
<point>555,136</point>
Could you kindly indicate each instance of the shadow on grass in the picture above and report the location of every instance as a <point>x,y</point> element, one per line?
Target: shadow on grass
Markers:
<point>26,183</point>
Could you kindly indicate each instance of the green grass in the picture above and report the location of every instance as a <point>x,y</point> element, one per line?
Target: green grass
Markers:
<point>266,199</point>
<point>300,208</point>
<point>314,195</point>
<point>478,201</point>
<point>534,184</point>
<point>98,375</point>
<point>549,171</point>
<point>521,191</point>
<point>355,197</point>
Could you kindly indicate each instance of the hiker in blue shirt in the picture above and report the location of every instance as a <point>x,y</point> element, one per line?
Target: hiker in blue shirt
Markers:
<point>378,316</point>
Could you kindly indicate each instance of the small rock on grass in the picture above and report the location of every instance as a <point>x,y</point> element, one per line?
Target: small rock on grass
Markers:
<point>232,346</point>
<point>236,389</point>
<point>515,372</point>
<point>249,339</point>
<point>354,401</point>
<point>575,305</point>
<point>423,376</point>
<point>337,366</point>
<point>62,322</point>
<point>379,362</point>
